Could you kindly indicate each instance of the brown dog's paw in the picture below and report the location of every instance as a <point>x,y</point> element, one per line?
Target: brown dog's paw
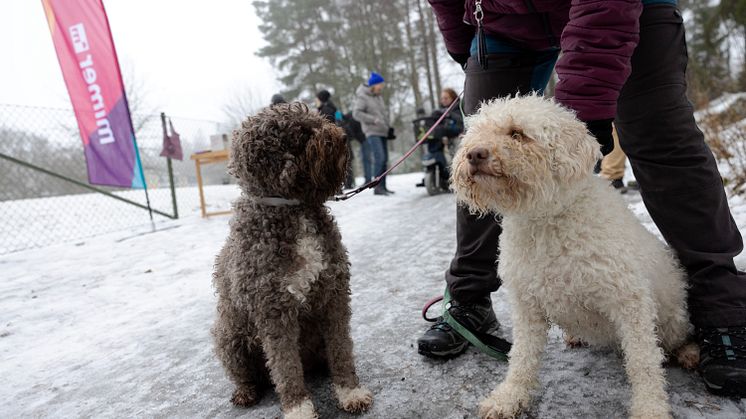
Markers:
<point>354,400</point>
<point>688,356</point>
<point>304,410</point>
<point>573,342</point>
<point>244,397</point>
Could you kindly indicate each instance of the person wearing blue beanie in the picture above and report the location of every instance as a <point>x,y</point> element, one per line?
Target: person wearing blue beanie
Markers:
<point>375,78</point>
<point>370,110</point>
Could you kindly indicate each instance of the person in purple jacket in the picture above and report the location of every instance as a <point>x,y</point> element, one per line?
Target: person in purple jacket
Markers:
<point>621,61</point>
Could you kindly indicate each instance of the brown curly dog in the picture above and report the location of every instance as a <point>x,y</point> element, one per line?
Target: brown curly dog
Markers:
<point>283,276</point>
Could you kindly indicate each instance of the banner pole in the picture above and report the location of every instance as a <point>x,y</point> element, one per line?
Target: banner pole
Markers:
<point>173,187</point>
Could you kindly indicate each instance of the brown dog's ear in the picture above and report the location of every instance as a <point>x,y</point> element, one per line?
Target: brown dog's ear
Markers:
<point>326,169</point>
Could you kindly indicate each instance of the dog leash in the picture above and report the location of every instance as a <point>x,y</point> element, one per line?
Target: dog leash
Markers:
<point>373,183</point>
<point>493,346</point>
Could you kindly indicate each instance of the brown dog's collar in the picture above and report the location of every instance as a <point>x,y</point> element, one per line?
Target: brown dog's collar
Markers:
<point>274,201</point>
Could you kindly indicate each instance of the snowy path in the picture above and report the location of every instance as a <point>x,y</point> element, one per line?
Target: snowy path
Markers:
<point>118,326</point>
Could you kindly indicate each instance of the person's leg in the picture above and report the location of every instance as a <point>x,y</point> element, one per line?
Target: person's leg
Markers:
<point>365,152</point>
<point>385,144</point>
<point>440,159</point>
<point>376,147</point>
<point>472,275</point>
<point>473,271</point>
<point>683,191</point>
<point>350,178</point>
<point>612,166</point>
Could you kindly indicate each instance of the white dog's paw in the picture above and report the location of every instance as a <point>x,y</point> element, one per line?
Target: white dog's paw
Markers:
<point>353,400</point>
<point>304,410</point>
<point>688,356</point>
<point>502,405</point>
<point>651,415</point>
<point>650,407</point>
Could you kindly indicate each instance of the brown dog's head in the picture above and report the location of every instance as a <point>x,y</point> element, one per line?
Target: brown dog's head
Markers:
<point>290,152</point>
<point>518,153</point>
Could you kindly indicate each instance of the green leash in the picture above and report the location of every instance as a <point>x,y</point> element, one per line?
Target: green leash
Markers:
<point>491,345</point>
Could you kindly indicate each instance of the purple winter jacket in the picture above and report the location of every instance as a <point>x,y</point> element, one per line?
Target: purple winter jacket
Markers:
<point>597,38</point>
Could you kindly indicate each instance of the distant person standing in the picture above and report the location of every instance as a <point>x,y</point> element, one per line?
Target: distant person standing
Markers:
<point>613,166</point>
<point>325,106</point>
<point>371,111</point>
<point>452,126</point>
<point>353,132</point>
<point>277,99</point>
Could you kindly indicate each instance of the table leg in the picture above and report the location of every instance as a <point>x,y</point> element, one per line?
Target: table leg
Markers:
<point>199,186</point>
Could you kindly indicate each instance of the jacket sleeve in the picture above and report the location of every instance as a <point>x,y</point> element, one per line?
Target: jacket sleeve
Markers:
<point>360,113</point>
<point>458,122</point>
<point>597,46</point>
<point>456,34</point>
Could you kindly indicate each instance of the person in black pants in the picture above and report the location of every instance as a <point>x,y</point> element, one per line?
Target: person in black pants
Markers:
<point>677,173</point>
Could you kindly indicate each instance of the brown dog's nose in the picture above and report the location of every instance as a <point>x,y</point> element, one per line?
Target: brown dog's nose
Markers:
<point>477,156</point>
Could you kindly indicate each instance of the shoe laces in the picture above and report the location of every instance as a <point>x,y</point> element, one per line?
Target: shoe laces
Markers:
<point>465,314</point>
<point>729,343</point>
<point>462,313</point>
<point>441,325</point>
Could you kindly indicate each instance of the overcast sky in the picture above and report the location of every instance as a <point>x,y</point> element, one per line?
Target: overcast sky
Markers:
<point>192,55</point>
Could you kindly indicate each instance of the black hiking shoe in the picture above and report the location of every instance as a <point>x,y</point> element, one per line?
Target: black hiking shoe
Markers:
<point>722,362</point>
<point>441,341</point>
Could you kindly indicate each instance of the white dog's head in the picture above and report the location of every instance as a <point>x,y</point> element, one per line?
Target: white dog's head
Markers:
<point>518,153</point>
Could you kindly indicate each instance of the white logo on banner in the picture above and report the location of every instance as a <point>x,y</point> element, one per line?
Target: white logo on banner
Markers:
<point>78,37</point>
<point>80,45</point>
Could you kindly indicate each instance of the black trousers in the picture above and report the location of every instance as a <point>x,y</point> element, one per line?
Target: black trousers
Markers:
<point>678,176</point>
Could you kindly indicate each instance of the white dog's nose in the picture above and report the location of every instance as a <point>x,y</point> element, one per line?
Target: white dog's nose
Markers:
<point>477,156</point>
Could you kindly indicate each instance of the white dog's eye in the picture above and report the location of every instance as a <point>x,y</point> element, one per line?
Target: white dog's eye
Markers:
<point>516,135</point>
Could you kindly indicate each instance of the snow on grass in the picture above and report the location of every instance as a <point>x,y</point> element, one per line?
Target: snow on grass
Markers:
<point>118,325</point>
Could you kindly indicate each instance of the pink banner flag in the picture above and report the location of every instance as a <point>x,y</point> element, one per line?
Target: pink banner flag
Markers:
<point>85,49</point>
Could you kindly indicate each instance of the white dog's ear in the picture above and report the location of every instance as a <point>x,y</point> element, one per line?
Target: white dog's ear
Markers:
<point>575,157</point>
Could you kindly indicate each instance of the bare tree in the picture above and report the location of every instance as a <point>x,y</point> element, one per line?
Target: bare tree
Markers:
<point>242,103</point>
<point>139,98</point>
<point>413,73</point>
<point>432,43</point>
<point>426,53</point>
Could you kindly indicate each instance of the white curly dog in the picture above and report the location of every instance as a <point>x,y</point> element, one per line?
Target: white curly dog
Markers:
<point>571,253</point>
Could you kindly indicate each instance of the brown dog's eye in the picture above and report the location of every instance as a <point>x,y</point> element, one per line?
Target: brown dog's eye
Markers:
<point>516,134</point>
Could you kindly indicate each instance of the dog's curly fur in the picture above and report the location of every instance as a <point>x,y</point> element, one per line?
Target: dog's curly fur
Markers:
<point>282,276</point>
<point>571,253</point>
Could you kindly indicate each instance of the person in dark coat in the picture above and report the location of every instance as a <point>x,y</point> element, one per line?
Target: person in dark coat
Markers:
<point>622,61</point>
<point>354,132</point>
<point>445,134</point>
<point>277,99</point>
<point>325,106</point>
<point>452,125</point>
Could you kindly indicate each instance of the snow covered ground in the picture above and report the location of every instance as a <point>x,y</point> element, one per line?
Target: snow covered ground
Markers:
<point>118,325</point>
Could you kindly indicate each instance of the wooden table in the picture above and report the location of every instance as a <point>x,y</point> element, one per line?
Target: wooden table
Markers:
<point>207,157</point>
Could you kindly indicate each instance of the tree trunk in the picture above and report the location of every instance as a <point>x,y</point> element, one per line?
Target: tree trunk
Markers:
<point>434,50</point>
<point>426,53</point>
<point>413,73</point>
